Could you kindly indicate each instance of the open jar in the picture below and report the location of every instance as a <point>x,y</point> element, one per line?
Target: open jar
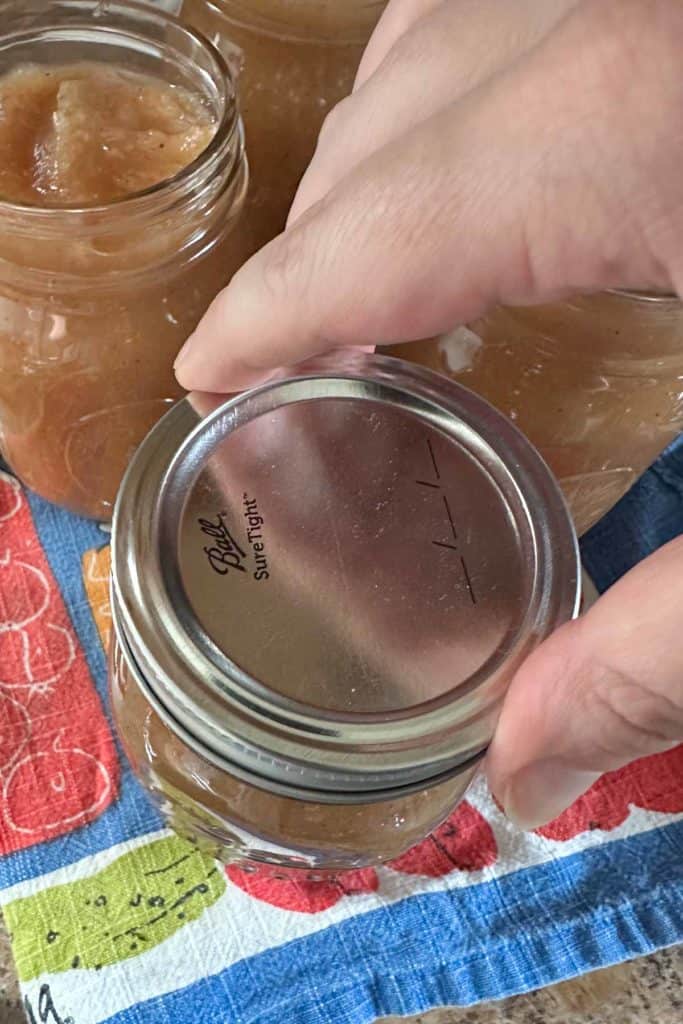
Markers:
<point>295,60</point>
<point>96,298</point>
<point>320,592</point>
<point>596,383</point>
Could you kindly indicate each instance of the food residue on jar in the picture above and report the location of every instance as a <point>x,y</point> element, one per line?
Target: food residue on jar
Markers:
<point>94,133</point>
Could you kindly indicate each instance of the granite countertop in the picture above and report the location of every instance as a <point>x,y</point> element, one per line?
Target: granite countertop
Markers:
<point>646,991</point>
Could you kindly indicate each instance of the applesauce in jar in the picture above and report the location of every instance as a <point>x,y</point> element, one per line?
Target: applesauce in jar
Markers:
<point>122,178</point>
<point>295,59</point>
<point>321,590</point>
<point>596,383</point>
<point>235,820</point>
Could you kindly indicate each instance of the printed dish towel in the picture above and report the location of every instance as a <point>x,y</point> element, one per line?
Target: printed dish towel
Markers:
<point>113,918</point>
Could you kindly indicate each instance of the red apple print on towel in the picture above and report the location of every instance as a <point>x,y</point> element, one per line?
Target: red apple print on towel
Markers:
<point>465,842</point>
<point>58,765</point>
<point>54,789</point>
<point>11,497</point>
<point>653,783</point>
<point>302,896</point>
<point>15,658</point>
<point>24,592</point>
<point>52,652</point>
<point>15,730</point>
<point>35,657</point>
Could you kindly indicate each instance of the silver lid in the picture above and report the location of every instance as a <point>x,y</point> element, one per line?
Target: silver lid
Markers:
<point>325,584</point>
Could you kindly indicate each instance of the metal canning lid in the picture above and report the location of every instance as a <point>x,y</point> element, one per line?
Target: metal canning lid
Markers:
<point>325,584</point>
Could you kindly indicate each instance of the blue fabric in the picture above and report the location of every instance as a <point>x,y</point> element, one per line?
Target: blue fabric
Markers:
<point>521,932</point>
<point>595,900</point>
<point>649,516</point>
<point>65,539</point>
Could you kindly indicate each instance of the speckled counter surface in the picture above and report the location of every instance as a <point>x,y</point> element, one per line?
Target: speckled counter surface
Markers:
<point>647,991</point>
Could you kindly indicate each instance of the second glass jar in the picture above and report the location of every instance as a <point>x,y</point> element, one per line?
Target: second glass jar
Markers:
<point>596,383</point>
<point>294,60</point>
<point>96,300</point>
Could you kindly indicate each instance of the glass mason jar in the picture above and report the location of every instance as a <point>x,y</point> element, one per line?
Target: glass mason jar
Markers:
<point>320,592</point>
<point>96,301</point>
<point>596,384</point>
<point>296,59</point>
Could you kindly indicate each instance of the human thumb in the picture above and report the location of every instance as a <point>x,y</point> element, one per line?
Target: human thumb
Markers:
<point>501,197</point>
<point>601,692</point>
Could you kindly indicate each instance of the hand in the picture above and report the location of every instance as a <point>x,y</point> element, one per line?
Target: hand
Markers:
<point>602,691</point>
<point>491,152</point>
<point>496,152</point>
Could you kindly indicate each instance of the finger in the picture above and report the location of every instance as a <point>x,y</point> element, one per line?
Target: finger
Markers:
<point>600,693</point>
<point>444,55</point>
<point>399,16</point>
<point>506,198</point>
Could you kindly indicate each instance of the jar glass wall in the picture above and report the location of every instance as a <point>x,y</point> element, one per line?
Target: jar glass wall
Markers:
<point>321,590</point>
<point>596,383</point>
<point>236,820</point>
<point>296,59</point>
<point>96,299</point>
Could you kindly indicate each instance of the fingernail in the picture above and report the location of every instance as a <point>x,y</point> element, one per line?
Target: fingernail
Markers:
<point>195,373</point>
<point>184,352</point>
<point>539,793</point>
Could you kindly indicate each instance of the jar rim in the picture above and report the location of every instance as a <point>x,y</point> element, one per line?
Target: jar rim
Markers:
<point>643,295</point>
<point>50,13</point>
<point>243,15</point>
<point>286,783</point>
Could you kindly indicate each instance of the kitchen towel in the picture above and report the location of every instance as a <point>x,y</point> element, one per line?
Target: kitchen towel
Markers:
<point>113,918</point>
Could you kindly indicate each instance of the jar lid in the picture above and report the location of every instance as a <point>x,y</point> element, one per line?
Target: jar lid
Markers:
<point>325,584</point>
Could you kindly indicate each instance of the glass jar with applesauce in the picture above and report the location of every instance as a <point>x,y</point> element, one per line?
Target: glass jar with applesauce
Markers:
<point>321,590</point>
<point>295,59</point>
<point>122,177</point>
<point>596,383</point>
